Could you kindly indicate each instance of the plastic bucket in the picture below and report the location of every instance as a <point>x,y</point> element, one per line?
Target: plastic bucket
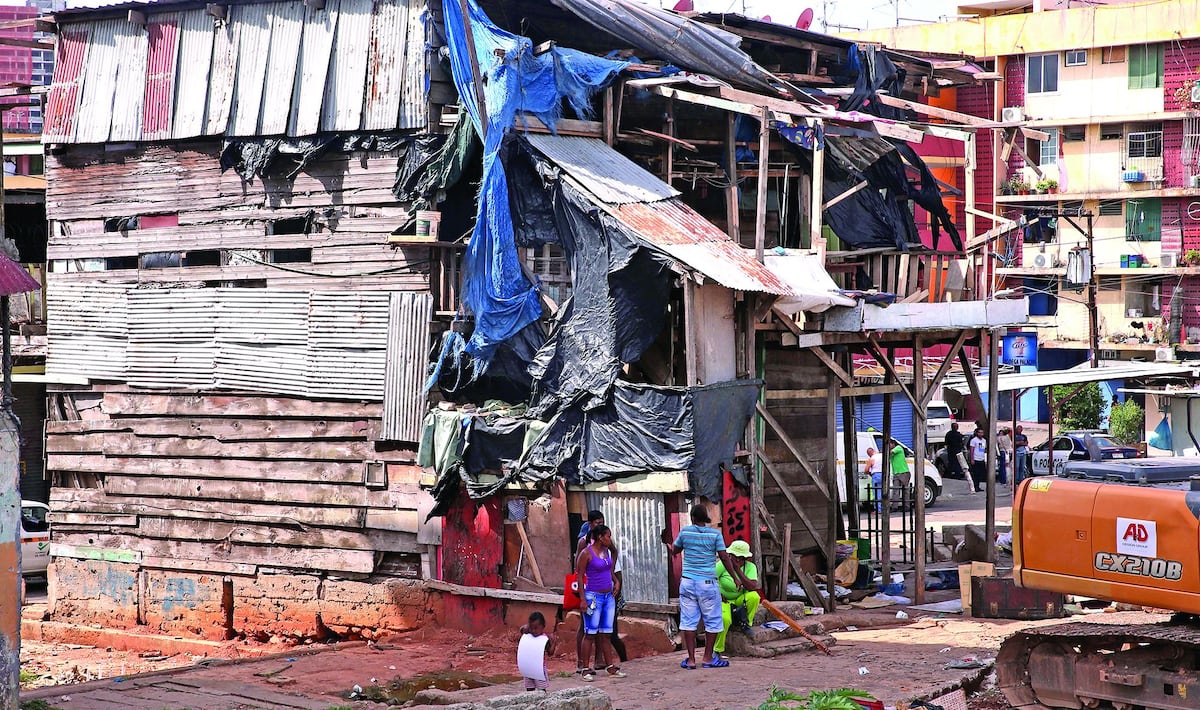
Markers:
<point>1124,261</point>
<point>428,223</point>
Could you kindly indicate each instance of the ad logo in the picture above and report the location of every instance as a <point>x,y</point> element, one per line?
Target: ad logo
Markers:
<point>1137,537</point>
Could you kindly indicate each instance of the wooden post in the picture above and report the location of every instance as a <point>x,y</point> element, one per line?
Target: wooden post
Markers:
<point>476,72</point>
<point>784,575</point>
<point>669,147</point>
<point>818,188</point>
<point>690,347</point>
<point>732,215</point>
<point>760,209</point>
<point>849,442</point>
<point>919,434</point>
<point>969,159</point>
<point>833,387</point>
<point>753,429</point>
<point>993,409</point>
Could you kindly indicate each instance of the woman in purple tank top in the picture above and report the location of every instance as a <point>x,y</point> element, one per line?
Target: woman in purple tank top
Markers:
<point>595,565</point>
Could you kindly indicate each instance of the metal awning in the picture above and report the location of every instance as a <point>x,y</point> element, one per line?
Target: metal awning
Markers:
<point>1077,375</point>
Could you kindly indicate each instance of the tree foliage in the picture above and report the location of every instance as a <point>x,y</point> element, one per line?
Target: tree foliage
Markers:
<point>1081,410</point>
<point>1125,421</point>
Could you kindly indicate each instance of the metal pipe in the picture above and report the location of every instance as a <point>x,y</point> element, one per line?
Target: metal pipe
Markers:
<point>993,411</point>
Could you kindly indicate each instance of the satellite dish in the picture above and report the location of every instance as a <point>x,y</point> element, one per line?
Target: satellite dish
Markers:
<point>766,18</point>
<point>805,19</point>
<point>684,6</point>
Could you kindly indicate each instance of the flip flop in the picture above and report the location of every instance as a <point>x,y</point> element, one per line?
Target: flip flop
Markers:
<point>717,663</point>
<point>684,665</point>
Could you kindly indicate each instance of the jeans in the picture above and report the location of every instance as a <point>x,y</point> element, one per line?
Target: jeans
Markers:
<point>1019,462</point>
<point>599,612</point>
<point>1002,474</point>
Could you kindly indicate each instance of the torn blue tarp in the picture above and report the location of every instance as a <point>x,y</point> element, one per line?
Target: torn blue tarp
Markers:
<point>495,290</point>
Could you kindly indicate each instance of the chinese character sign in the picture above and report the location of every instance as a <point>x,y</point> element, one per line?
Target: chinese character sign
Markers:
<point>1018,349</point>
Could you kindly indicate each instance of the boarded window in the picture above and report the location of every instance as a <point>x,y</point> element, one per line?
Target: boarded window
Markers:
<point>289,256</point>
<point>1112,55</point>
<point>1074,134</point>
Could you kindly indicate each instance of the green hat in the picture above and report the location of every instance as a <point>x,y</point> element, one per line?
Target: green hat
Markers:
<point>740,548</point>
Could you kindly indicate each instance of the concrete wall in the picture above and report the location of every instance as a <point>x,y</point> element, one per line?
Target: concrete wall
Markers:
<point>1093,91</point>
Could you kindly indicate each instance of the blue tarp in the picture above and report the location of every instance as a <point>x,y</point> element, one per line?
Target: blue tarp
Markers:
<point>495,290</point>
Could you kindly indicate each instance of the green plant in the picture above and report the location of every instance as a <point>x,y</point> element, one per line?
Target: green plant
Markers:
<point>1080,409</point>
<point>1191,257</point>
<point>1125,421</point>
<point>37,705</point>
<point>842,699</point>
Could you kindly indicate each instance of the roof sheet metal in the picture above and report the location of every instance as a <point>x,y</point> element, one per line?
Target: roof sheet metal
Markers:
<point>162,35</point>
<point>62,102</point>
<point>262,342</point>
<point>86,330</point>
<point>14,278</point>
<point>172,337</point>
<point>404,396</point>
<point>191,84</point>
<point>220,77</point>
<point>253,48</point>
<point>315,48</point>
<point>94,117</point>
<point>287,31</point>
<point>414,106</point>
<point>385,73</point>
<point>607,174</point>
<point>346,87</point>
<point>130,89</point>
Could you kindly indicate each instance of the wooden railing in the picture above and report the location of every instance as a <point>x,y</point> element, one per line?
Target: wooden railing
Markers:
<point>923,276</point>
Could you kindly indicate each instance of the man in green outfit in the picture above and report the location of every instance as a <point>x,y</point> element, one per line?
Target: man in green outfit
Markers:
<point>900,476</point>
<point>733,593</point>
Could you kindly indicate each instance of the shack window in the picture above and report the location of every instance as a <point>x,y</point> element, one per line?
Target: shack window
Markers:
<point>1074,134</point>
<point>117,263</point>
<point>290,225</point>
<point>289,256</point>
<point>1041,74</point>
<point>1112,131</point>
<point>120,224</point>
<point>162,260</point>
<point>208,257</point>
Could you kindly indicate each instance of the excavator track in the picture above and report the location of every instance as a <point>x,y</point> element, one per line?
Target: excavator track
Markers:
<point>1089,665</point>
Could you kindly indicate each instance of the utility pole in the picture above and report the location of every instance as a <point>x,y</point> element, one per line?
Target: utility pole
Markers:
<point>1093,322</point>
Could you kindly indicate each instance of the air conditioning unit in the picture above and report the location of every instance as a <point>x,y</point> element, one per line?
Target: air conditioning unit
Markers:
<point>1169,259</point>
<point>1041,261</point>
<point>1012,114</point>
<point>1196,93</point>
<point>1164,353</point>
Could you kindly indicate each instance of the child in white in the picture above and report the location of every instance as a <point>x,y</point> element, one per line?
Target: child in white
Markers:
<point>531,654</point>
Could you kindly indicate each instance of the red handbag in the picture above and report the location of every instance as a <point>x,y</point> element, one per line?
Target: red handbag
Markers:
<point>572,593</point>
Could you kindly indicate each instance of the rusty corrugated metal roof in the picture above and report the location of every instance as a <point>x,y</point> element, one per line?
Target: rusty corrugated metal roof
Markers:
<point>650,209</point>
<point>15,279</point>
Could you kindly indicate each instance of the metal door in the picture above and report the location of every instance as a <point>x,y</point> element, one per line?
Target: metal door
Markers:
<point>637,521</point>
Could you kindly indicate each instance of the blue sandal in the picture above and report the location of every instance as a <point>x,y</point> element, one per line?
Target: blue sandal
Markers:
<point>717,662</point>
<point>684,665</point>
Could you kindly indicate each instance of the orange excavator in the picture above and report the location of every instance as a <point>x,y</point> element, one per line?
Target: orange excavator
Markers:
<point>1126,532</point>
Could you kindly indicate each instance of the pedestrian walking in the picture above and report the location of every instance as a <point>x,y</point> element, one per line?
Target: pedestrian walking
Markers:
<point>978,448</point>
<point>1021,454</point>
<point>595,565</point>
<point>699,593</point>
<point>595,519</point>
<point>1004,445</point>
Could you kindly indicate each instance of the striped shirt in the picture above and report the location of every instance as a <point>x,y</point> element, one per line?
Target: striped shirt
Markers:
<point>700,547</point>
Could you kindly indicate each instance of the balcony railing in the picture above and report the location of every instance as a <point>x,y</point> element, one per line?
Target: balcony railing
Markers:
<point>926,276</point>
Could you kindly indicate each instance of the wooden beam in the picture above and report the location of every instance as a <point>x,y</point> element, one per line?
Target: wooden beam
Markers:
<point>94,501</point>
<point>536,597</point>
<point>669,139</point>
<point>821,392</point>
<point>876,352</point>
<point>846,378</point>
<point>247,470</point>
<point>760,205</point>
<point>944,368</point>
<point>26,43</point>
<point>969,375</point>
<point>792,448</point>
<point>852,191</point>
<point>221,429</point>
<point>258,491</point>
<point>179,405</point>
<point>126,444</point>
<point>793,501</point>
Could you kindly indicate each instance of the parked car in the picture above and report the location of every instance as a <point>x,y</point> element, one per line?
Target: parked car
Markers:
<point>874,440</point>
<point>35,538</point>
<point>938,418</point>
<point>1071,446</point>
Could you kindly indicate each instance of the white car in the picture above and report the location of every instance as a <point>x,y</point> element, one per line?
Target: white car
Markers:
<point>874,440</point>
<point>938,418</point>
<point>35,538</point>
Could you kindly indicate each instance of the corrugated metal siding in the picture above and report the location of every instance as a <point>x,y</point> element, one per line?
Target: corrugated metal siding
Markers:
<point>385,72</point>
<point>263,341</point>
<point>413,107</point>
<point>347,344</point>
<point>404,398</point>
<point>94,117</point>
<point>346,86</point>
<point>191,86</point>
<point>159,103</point>
<point>607,174</point>
<point>87,330</point>
<point>637,520</point>
<point>319,29</point>
<point>62,103</point>
<point>287,29</point>
<point>220,77</point>
<point>272,68</point>
<point>254,46</point>
<point>172,337</point>
<point>868,414</point>
<point>130,90</point>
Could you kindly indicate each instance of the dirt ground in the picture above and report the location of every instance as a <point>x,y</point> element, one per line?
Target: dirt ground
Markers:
<point>44,664</point>
<point>901,662</point>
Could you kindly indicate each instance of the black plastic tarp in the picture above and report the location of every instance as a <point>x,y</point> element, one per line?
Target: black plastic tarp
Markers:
<point>275,158</point>
<point>646,429</point>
